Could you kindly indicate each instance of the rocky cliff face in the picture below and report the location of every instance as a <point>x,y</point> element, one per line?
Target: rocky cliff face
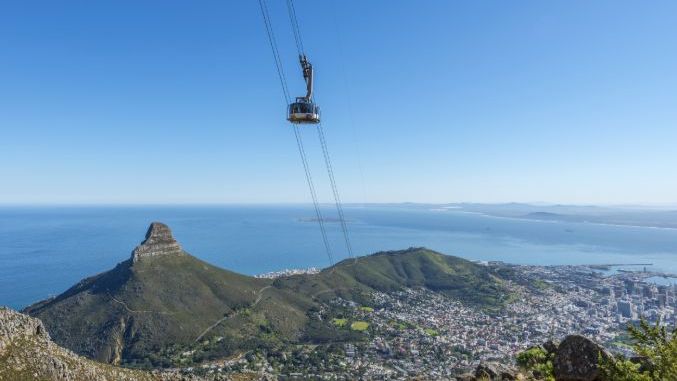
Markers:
<point>159,242</point>
<point>27,353</point>
<point>15,327</point>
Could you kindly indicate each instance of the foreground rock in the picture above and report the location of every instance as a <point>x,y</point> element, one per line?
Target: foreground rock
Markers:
<point>27,353</point>
<point>492,371</point>
<point>495,371</point>
<point>577,359</point>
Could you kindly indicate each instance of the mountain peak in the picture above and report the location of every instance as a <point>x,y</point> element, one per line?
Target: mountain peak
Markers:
<point>159,242</point>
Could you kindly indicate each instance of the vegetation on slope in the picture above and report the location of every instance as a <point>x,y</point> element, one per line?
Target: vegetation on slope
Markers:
<point>657,351</point>
<point>355,279</point>
<point>133,309</point>
<point>656,359</point>
<point>538,361</point>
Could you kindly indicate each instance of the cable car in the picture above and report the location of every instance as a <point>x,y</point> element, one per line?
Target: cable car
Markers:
<point>304,110</point>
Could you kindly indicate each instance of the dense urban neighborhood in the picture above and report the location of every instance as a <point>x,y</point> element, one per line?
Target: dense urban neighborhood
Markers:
<point>422,332</point>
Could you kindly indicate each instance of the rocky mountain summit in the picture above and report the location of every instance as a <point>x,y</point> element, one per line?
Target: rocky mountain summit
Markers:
<point>28,353</point>
<point>159,242</point>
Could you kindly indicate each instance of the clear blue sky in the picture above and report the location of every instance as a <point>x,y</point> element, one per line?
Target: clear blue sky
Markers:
<point>426,101</point>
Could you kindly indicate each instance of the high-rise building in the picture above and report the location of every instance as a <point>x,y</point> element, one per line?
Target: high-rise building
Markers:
<point>625,308</point>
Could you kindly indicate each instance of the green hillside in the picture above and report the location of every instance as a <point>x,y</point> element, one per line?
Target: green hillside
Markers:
<point>163,302</point>
<point>134,308</point>
<point>415,267</point>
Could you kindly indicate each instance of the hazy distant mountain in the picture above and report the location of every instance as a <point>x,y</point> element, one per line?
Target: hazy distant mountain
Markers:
<point>162,300</point>
<point>544,216</point>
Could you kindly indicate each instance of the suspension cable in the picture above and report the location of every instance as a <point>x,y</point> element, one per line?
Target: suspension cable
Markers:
<point>334,188</point>
<point>299,141</point>
<point>295,27</point>
<point>325,151</point>
<point>313,194</point>
<point>276,52</point>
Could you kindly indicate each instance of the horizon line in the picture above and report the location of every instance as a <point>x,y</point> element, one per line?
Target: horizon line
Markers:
<point>291,203</point>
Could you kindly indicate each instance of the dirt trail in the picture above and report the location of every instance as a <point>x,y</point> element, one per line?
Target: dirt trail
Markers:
<point>228,316</point>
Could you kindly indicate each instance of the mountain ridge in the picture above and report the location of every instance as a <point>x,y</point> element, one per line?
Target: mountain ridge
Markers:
<point>162,297</point>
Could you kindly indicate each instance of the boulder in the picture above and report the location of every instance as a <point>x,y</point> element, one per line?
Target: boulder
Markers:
<point>550,346</point>
<point>466,377</point>
<point>495,372</point>
<point>577,359</point>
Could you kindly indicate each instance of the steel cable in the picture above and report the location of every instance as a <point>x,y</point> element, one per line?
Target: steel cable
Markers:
<point>299,142</point>
<point>334,188</point>
<point>295,27</point>
<point>325,151</point>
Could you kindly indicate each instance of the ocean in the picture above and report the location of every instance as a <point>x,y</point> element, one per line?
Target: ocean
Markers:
<point>45,250</point>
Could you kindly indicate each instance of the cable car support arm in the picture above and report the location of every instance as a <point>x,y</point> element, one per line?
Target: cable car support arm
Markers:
<point>307,68</point>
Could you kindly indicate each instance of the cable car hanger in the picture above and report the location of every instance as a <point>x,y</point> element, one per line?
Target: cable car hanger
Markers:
<point>304,110</point>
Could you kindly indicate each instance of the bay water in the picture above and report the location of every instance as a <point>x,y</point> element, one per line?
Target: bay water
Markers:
<point>45,250</point>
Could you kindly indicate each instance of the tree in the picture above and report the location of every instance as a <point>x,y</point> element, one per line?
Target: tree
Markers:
<point>657,356</point>
<point>538,361</point>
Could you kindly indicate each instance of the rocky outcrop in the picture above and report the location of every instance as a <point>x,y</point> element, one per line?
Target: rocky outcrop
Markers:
<point>16,327</point>
<point>495,372</point>
<point>550,346</point>
<point>492,371</point>
<point>577,359</point>
<point>27,353</point>
<point>159,242</point>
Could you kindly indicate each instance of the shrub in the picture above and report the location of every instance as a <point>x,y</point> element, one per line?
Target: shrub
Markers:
<point>538,361</point>
<point>657,351</point>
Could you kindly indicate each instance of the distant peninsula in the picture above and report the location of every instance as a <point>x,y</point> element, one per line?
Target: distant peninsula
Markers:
<point>638,216</point>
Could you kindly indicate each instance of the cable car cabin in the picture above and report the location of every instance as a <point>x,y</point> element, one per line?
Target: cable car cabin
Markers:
<point>304,111</point>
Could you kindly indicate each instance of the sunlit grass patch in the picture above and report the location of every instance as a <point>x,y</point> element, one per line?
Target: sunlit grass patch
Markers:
<point>431,332</point>
<point>359,326</point>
